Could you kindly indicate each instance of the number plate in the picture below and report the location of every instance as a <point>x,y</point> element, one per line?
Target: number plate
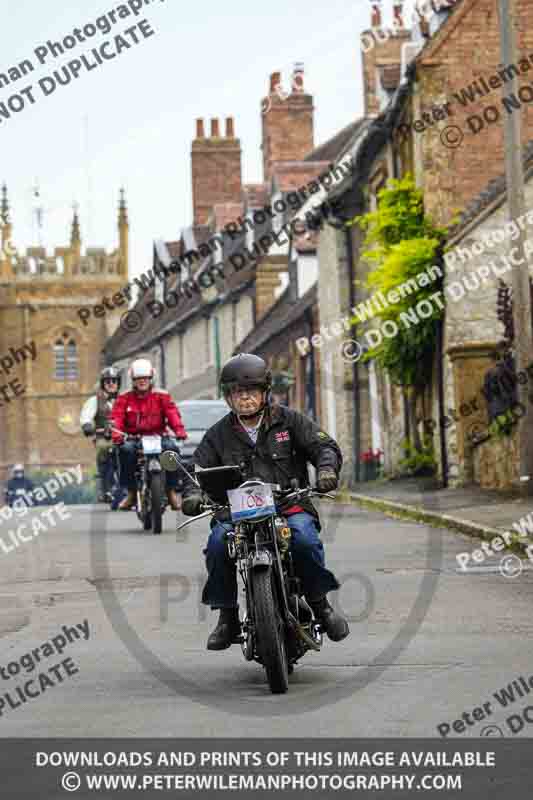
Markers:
<point>251,502</point>
<point>151,445</point>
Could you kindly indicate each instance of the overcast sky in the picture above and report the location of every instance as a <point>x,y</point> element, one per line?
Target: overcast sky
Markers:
<point>131,121</point>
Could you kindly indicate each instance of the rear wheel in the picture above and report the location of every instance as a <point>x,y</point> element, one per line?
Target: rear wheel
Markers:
<point>270,632</point>
<point>156,491</point>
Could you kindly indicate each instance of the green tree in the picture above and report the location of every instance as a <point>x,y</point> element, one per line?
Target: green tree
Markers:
<point>401,242</point>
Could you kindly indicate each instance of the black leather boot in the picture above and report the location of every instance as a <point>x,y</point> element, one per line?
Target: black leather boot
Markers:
<point>333,623</point>
<point>227,631</point>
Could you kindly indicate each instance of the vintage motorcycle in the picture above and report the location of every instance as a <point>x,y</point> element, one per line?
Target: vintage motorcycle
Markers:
<point>14,495</point>
<point>279,626</point>
<point>149,480</point>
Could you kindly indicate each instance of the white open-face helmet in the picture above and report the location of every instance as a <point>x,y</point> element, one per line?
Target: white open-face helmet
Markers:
<point>141,368</point>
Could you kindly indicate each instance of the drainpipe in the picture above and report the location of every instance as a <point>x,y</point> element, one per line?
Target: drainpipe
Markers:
<point>163,362</point>
<point>356,424</point>
<point>216,332</point>
<point>292,272</point>
<point>440,394</point>
<point>308,316</point>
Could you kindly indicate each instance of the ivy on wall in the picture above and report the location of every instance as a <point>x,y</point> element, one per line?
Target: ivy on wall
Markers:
<point>401,242</point>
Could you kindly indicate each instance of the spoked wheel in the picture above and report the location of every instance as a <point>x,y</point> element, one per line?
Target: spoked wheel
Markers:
<point>156,492</point>
<point>270,633</point>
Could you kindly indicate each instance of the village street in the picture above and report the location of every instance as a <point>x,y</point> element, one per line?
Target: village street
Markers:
<point>427,643</point>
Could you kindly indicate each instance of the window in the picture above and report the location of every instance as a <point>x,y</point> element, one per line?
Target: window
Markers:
<point>66,359</point>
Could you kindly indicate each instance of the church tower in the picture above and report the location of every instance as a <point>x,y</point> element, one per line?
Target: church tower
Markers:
<point>50,354</point>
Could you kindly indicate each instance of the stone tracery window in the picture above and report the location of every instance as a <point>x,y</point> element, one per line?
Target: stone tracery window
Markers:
<point>66,359</point>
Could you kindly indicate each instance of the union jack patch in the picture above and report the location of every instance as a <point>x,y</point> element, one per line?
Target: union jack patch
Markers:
<point>283,436</point>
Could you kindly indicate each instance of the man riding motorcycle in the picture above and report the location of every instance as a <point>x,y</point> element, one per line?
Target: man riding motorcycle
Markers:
<point>146,411</point>
<point>273,444</point>
<point>18,481</point>
<point>96,416</point>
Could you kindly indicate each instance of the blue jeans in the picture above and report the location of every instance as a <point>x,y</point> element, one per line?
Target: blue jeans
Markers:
<point>105,462</point>
<point>128,460</point>
<point>307,550</point>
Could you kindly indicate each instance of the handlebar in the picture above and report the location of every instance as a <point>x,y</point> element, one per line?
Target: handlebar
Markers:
<point>212,508</point>
<point>140,435</point>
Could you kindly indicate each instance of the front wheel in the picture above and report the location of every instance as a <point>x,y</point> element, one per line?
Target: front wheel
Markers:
<point>270,632</point>
<point>156,492</point>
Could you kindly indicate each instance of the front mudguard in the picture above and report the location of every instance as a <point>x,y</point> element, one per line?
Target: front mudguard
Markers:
<point>260,560</point>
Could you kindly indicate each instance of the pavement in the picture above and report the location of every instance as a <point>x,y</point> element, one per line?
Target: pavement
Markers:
<point>471,510</point>
<point>427,642</point>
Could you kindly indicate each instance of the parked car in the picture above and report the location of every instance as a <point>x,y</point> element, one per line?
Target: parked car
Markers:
<point>198,416</point>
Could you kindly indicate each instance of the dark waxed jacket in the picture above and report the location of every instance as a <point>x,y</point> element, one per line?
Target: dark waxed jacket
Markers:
<point>287,440</point>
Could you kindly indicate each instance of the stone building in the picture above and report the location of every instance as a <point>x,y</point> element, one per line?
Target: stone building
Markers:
<point>451,121</point>
<point>409,79</point>
<point>55,356</point>
<point>482,254</point>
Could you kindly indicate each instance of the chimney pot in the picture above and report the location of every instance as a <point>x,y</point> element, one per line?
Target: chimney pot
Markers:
<point>398,13</point>
<point>275,79</point>
<point>298,78</point>
<point>376,14</point>
<point>215,131</point>
<point>230,128</point>
<point>200,134</point>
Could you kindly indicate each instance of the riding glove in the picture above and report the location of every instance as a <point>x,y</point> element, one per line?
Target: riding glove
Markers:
<point>327,480</point>
<point>192,505</point>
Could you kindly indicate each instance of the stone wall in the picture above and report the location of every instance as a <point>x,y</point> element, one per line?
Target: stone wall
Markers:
<point>472,329</point>
<point>496,463</point>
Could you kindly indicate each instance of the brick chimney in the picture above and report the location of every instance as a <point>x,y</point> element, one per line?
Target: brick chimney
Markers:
<point>288,121</point>
<point>381,46</point>
<point>216,169</point>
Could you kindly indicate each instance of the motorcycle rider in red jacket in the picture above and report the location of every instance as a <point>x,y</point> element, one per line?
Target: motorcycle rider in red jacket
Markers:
<point>147,411</point>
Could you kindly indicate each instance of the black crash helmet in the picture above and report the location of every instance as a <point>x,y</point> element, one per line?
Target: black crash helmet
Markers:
<point>110,372</point>
<point>245,369</point>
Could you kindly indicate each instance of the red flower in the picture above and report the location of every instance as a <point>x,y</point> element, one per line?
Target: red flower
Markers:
<point>371,455</point>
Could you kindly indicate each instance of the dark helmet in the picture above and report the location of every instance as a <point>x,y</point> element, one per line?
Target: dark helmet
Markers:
<point>110,372</point>
<point>245,369</point>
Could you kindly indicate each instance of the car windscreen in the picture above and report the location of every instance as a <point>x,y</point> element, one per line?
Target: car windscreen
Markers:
<point>200,418</point>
